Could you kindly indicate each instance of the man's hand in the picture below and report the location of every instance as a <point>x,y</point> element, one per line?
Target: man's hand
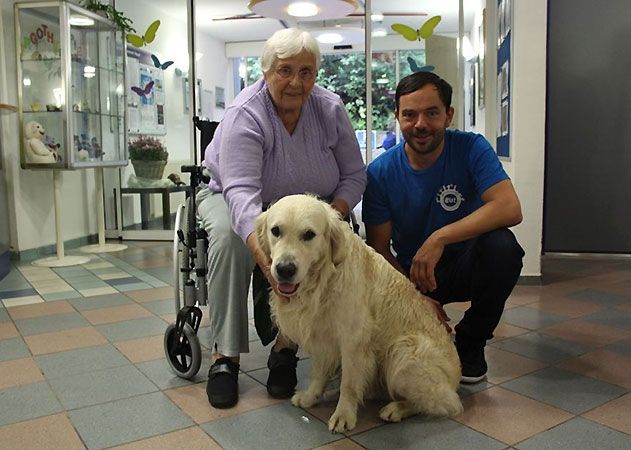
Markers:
<point>424,263</point>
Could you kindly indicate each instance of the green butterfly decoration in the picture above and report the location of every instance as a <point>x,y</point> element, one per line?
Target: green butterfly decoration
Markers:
<point>412,34</point>
<point>147,38</point>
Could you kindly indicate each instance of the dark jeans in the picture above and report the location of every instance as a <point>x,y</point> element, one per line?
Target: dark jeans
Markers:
<point>485,271</point>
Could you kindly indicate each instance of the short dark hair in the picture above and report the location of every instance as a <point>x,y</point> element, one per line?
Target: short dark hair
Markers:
<point>417,80</point>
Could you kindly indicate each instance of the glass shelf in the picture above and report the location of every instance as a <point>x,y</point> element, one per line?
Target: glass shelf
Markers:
<point>72,86</point>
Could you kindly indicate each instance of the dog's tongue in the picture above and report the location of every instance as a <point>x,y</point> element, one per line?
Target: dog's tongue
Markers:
<point>287,288</point>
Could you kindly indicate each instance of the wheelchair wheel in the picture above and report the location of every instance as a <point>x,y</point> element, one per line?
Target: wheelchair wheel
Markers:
<point>184,354</point>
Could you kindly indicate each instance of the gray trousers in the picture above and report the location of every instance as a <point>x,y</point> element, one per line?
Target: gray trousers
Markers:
<point>230,266</point>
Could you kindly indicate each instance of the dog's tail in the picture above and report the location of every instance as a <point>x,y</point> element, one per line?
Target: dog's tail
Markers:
<point>425,376</point>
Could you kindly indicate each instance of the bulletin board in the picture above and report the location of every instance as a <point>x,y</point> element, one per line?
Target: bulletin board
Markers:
<point>504,25</point>
<point>145,97</point>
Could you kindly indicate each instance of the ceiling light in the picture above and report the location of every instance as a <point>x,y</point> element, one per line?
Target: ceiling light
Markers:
<point>330,38</point>
<point>302,9</point>
<point>308,10</point>
<point>379,32</point>
<point>81,21</point>
<point>376,17</point>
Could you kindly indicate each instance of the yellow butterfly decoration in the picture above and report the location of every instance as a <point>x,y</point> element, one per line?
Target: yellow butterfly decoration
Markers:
<point>412,34</point>
<point>147,38</point>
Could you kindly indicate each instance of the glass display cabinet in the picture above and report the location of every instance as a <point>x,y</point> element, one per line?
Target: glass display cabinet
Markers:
<point>71,90</point>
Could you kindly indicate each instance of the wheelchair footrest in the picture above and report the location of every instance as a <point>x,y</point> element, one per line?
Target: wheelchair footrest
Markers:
<point>188,314</point>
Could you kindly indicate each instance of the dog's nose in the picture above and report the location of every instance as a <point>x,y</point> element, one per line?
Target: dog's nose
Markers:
<point>286,270</point>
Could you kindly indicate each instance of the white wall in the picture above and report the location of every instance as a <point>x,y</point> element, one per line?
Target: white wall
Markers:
<point>528,102</point>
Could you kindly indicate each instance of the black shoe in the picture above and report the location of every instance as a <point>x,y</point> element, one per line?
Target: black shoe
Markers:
<point>222,387</point>
<point>472,360</point>
<point>282,380</point>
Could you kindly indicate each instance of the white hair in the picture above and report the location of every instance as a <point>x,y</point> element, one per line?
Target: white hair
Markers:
<point>287,43</point>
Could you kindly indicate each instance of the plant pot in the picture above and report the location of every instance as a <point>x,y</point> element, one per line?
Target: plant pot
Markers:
<point>149,169</point>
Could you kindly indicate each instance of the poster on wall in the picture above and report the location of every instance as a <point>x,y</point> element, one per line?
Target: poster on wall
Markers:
<point>145,99</point>
<point>504,25</point>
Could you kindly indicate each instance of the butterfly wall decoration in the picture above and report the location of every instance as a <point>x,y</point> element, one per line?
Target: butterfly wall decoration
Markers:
<point>158,64</point>
<point>147,38</point>
<point>415,67</point>
<point>143,92</point>
<point>414,34</point>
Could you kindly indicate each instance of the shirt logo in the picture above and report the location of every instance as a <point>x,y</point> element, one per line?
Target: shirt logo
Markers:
<point>449,197</point>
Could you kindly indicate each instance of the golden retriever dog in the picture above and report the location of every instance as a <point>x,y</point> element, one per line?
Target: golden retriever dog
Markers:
<point>351,310</point>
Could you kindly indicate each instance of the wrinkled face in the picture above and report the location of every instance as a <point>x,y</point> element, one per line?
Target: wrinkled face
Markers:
<point>295,233</point>
<point>423,119</point>
<point>291,80</point>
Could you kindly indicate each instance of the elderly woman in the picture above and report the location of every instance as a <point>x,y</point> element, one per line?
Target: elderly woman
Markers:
<point>282,135</point>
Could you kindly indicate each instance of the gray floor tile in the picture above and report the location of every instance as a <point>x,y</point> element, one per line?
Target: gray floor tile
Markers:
<point>162,376</point>
<point>164,274</point>
<point>565,390</point>
<point>54,296</point>
<point>13,348</point>
<point>421,433</point>
<point>101,386</point>
<point>622,347</point>
<point>132,287</point>
<point>73,362</point>
<point>127,420</point>
<point>65,272</point>
<point>131,329</point>
<point>4,315</point>
<point>100,301</point>
<point>600,297</point>
<point>27,402</point>
<point>300,430</point>
<point>542,347</point>
<point>45,324</point>
<point>530,318</point>
<point>119,281</point>
<point>611,318</point>
<point>578,434</point>
<point>160,307</point>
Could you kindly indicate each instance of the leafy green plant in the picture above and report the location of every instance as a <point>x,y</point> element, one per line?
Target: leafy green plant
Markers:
<point>124,23</point>
<point>147,148</point>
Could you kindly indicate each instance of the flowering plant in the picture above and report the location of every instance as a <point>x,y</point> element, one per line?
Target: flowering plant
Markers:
<point>147,148</point>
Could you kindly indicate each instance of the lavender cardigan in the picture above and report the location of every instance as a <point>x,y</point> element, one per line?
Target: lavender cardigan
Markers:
<point>254,160</point>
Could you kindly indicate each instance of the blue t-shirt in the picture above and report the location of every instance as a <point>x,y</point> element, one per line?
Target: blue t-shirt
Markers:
<point>418,202</point>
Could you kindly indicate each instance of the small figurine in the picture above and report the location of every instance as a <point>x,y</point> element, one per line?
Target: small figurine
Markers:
<point>36,151</point>
<point>175,178</point>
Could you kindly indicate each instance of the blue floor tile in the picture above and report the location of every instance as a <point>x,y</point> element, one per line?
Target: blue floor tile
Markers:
<point>131,329</point>
<point>4,295</point>
<point>530,318</point>
<point>126,280</point>
<point>599,297</point>
<point>79,390</point>
<point>100,301</point>
<point>566,390</point>
<point>13,348</point>
<point>45,324</point>
<point>27,402</point>
<point>295,429</point>
<point>578,434</point>
<point>421,433</point>
<point>611,318</point>
<point>127,420</point>
<point>542,347</point>
<point>73,362</point>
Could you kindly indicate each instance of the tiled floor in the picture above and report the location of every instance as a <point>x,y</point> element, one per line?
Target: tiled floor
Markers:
<point>82,365</point>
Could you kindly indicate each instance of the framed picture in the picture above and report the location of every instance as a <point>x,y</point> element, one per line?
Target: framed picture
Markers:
<point>480,65</point>
<point>220,99</point>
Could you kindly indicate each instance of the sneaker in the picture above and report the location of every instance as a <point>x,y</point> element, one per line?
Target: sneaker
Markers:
<point>223,388</point>
<point>282,379</point>
<point>472,361</point>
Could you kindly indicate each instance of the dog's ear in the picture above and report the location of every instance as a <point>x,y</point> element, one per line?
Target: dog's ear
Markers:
<point>338,237</point>
<point>261,233</point>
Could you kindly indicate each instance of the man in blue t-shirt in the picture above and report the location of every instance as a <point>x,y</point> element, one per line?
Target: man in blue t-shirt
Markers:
<point>443,200</point>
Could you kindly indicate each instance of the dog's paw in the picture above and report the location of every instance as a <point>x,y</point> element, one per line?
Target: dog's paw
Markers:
<point>393,412</point>
<point>342,420</point>
<point>304,399</point>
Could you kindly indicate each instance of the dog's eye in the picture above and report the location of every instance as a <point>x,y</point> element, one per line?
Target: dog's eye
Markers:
<point>308,235</point>
<point>276,231</point>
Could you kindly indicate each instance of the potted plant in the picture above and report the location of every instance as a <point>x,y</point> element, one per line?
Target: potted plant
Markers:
<point>148,156</point>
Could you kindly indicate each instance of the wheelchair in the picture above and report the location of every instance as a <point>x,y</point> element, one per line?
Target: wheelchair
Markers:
<point>190,251</point>
<point>190,256</point>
